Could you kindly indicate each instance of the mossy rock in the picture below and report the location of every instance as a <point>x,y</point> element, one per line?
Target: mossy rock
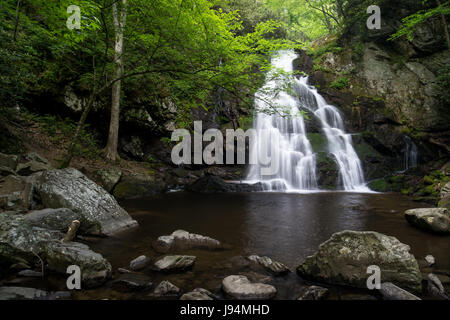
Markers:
<point>380,185</point>
<point>138,186</point>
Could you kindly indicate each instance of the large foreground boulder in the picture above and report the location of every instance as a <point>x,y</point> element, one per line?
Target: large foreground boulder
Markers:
<point>22,243</point>
<point>57,219</point>
<point>346,256</point>
<point>239,287</point>
<point>435,220</point>
<point>69,188</point>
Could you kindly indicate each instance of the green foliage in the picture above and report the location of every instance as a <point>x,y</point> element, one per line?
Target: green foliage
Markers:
<point>411,22</point>
<point>340,83</point>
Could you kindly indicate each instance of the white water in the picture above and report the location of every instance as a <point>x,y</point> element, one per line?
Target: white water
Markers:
<point>411,154</point>
<point>288,143</point>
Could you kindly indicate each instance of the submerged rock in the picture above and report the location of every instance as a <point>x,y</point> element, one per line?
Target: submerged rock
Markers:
<point>181,239</point>
<point>270,265</point>
<point>436,220</point>
<point>175,263</point>
<point>132,282</point>
<point>345,257</point>
<point>69,188</point>
<point>314,293</point>
<point>198,294</point>
<point>21,293</point>
<point>139,263</point>
<point>166,288</point>
<point>435,286</point>
<point>390,291</point>
<point>239,287</point>
<point>213,184</point>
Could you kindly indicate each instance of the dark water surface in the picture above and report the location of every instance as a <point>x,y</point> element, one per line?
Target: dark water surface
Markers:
<point>286,227</point>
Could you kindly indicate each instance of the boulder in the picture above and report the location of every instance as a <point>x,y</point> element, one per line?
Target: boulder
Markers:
<point>139,263</point>
<point>270,265</point>
<point>30,273</point>
<point>138,186</point>
<point>239,287</point>
<point>21,293</point>
<point>175,263</point>
<point>435,220</point>
<point>390,291</point>
<point>57,219</point>
<point>184,240</point>
<point>9,161</point>
<point>435,287</point>
<point>198,294</point>
<point>131,282</point>
<point>95,270</point>
<point>314,293</point>
<point>21,243</point>
<point>69,188</point>
<point>213,184</point>
<point>345,257</point>
<point>444,202</point>
<point>16,191</point>
<point>34,163</point>
<point>108,178</point>
<point>166,288</point>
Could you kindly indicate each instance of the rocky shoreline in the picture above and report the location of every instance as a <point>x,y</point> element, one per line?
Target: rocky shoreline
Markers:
<point>38,204</point>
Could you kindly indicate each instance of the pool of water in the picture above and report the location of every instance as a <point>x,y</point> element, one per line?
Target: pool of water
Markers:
<point>285,227</point>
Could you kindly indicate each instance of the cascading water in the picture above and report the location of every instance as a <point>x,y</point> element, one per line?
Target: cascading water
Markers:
<point>411,153</point>
<point>293,151</point>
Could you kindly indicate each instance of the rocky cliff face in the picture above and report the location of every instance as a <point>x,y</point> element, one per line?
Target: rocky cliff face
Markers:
<point>388,90</point>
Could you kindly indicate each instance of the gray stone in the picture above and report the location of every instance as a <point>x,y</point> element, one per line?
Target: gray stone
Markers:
<point>139,263</point>
<point>435,220</point>
<point>69,188</point>
<point>17,192</point>
<point>198,294</point>
<point>30,273</point>
<point>138,186</point>
<point>239,287</point>
<point>131,282</point>
<point>314,293</point>
<point>430,260</point>
<point>22,293</point>
<point>57,219</point>
<point>34,163</point>
<point>95,270</point>
<point>109,178</point>
<point>345,257</point>
<point>270,265</point>
<point>166,288</point>
<point>435,286</point>
<point>184,240</point>
<point>390,291</point>
<point>175,263</point>
<point>9,161</point>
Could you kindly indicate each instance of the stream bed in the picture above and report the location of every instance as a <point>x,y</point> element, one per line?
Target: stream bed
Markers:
<point>286,227</point>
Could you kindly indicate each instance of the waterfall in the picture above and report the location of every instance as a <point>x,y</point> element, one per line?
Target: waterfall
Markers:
<point>284,138</point>
<point>411,154</point>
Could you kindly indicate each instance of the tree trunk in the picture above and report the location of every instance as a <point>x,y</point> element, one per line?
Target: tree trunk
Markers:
<point>444,25</point>
<point>119,27</point>
<point>16,26</point>
<point>66,161</point>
